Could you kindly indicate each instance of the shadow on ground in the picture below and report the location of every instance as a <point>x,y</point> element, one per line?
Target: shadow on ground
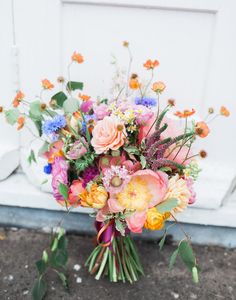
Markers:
<point>19,250</point>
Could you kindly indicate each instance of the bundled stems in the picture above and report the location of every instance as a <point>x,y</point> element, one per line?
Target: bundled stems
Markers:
<point>119,261</point>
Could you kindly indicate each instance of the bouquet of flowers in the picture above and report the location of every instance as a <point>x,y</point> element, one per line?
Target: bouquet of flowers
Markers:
<point>128,157</point>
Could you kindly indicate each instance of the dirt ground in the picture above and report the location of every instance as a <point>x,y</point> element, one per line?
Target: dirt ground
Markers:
<point>19,249</point>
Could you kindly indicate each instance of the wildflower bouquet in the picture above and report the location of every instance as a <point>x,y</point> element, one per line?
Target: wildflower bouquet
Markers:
<point>128,157</point>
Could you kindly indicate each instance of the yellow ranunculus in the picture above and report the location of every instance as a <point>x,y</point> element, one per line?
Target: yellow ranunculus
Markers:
<point>95,198</point>
<point>155,220</point>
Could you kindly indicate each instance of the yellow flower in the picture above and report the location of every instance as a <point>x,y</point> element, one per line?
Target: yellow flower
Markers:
<point>135,195</point>
<point>155,220</point>
<point>96,197</point>
<point>178,189</point>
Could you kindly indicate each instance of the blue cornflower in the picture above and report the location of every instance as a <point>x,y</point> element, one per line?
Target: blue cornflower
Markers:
<point>51,126</point>
<point>47,169</point>
<point>146,101</point>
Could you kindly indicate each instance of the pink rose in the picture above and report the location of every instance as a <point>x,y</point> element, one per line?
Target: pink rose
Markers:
<point>59,175</point>
<point>101,111</point>
<point>78,149</point>
<point>74,191</point>
<point>109,133</point>
<point>136,221</point>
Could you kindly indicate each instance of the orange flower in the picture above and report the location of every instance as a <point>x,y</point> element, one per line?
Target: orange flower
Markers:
<point>95,198</point>
<point>134,84</point>
<point>77,57</point>
<point>21,122</point>
<point>224,111</point>
<point>149,64</point>
<point>186,113</point>
<point>84,97</point>
<point>18,98</point>
<point>158,86</point>
<point>126,44</point>
<point>201,129</point>
<point>47,85</point>
<point>1,109</point>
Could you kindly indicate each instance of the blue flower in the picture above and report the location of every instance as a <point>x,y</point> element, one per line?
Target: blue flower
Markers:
<point>47,169</point>
<point>51,126</point>
<point>87,119</point>
<point>146,101</point>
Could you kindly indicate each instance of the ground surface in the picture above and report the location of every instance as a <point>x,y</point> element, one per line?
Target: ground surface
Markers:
<point>20,249</point>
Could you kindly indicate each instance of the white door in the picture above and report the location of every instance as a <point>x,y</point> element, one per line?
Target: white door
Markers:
<point>193,40</point>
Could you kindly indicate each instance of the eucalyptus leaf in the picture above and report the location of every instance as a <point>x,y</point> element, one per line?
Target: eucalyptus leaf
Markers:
<point>132,150</point>
<point>32,157</point>
<point>143,161</point>
<point>63,190</point>
<point>173,258</point>
<point>63,278</point>
<point>59,258</point>
<point>74,85</point>
<point>71,105</point>
<point>12,115</point>
<point>45,256</point>
<point>35,112</point>
<point>195,275</point>
<point>38,125</point>
<point>162,241</point>
<point>120,226</point>
<point>167,206</point>
<point>41,266</point>
<point>39,289</point>
<point>60,98</point>
<point>187,255</point>
<point>44,148</point>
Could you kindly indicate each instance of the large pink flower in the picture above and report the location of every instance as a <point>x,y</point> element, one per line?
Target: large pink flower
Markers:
<point>59,175</point>
<point>109,133</point>
<point>145,190</point>
<point>101,111</point>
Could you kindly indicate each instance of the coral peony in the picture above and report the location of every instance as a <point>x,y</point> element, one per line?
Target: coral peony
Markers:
<point>75,190</point>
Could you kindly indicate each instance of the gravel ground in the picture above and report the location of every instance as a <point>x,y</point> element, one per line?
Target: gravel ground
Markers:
<point>19,249</point>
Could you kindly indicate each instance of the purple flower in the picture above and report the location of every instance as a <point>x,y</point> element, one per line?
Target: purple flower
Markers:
<point>146,101</point>
<point>51,126</point>
<point>78,149</point>
<point>89,174</point>
<point>86,106</point>
<point>59,175</point>
<point>101,111</point>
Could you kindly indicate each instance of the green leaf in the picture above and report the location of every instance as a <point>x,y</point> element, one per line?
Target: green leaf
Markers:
<point>143,161</point>
<point>167,205</point>
<point>59,258</point>
<point>74,85</point>
<point>187,255</point>
<point>165,169</point>
<point>41,266</point>
<point>195,275</point>
<point>62,243</point>
<point>71,105</point>
<point>63,278</point>
<point>45,256</point>
<point>38,125</point>
<point>173,258</point>
<point>120,226</point>
<point>162,241</point>
<point>104,101</point>
<point>132,150</point>
<point>54,244</point>
<point>60,98</point>
<point>31,157</point>
<point>35,112</point>
<point>12,115</point>
<point>63,190</point>
<point>44,148</point>
<point>39,289</point>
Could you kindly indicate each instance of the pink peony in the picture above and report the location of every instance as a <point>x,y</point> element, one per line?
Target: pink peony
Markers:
<point>109,133</point>
<point>101,111</point>
<point>59,175</point>
<point>78,149</point>
<point>143,114</point>
<point>147,129</point>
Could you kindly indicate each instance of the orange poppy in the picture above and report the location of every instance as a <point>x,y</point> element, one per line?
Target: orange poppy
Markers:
<point>158,86</point>
<point>47,85</point>
<point>20,122</point>
<point>77,57</point>
<point>186,113</point>
<point>134,84</point>
<point>18,98</point>
<point>202,129</point>
<point>84,97</point>
<point>224,111</point>
<point>151,64</point>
